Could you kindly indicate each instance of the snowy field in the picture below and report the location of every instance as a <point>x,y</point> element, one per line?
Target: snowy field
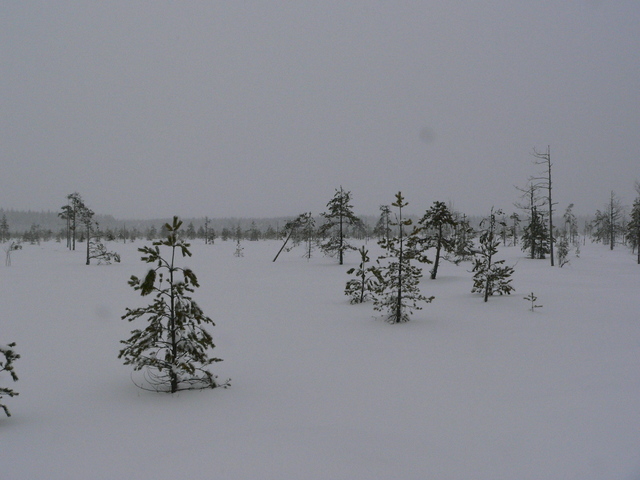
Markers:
<point>322,389</point>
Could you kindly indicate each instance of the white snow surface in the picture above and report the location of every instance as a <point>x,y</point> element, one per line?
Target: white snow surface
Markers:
<point>322,389</point>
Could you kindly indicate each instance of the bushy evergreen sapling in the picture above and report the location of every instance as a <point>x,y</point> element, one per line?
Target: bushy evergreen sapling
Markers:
<point>173,350</point>
<point>535,237</point>
<point>398,290</point>
<point>490,276</point>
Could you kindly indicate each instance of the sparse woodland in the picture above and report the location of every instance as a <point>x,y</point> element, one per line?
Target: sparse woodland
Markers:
<point>289,331</point>
<point>172,350</point>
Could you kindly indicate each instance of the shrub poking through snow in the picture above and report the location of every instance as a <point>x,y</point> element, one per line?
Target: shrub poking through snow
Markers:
<point>6,365</point>
<point>173,350</point>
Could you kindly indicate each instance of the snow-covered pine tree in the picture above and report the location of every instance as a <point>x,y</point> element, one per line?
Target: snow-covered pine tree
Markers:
<point>436,224</point>
<point>383,226</point>
<point>338,216</point>
<point>398,290</point>
<point>173,350</point>
<point>490,276</point>
<point>6,365</point>
<point>535,237</point>
<point>361,287</point>
<point>308,234</point>
<point>463,236</point>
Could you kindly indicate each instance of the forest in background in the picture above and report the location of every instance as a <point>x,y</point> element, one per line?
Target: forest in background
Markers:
<point>51,225</point>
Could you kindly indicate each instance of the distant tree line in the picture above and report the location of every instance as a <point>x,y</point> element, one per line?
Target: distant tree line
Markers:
<point>536,225</point>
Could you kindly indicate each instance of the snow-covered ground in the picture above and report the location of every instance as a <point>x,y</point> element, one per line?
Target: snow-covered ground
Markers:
<point>322,389</point>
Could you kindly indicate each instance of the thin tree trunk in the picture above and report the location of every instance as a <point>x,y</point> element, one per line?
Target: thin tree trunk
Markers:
<point>172,326</point>
<point>283,245</point>
<point>489,258</point>
<point>612,228</point>
<point>399,296</point>
<point>550,207</point>
<point>638,242</point>
<point>88,240</point>
<point>340,247</point>
<point>434,270</point>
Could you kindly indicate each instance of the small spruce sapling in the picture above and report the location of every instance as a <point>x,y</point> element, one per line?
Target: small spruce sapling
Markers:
<point>6,365</point>
<point>532,298</point>
<point>361,287</point>
<point>173,349</point>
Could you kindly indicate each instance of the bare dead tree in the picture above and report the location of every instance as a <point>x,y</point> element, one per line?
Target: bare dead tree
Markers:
<point>544,181</point>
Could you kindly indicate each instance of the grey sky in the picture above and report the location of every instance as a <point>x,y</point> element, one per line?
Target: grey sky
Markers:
<point>263,108</point>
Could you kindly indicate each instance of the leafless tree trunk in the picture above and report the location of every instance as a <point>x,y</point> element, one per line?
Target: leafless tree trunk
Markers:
<point>545,159</point>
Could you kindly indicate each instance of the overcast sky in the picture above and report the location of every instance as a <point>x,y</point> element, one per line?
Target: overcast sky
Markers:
<point>151,109</point>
